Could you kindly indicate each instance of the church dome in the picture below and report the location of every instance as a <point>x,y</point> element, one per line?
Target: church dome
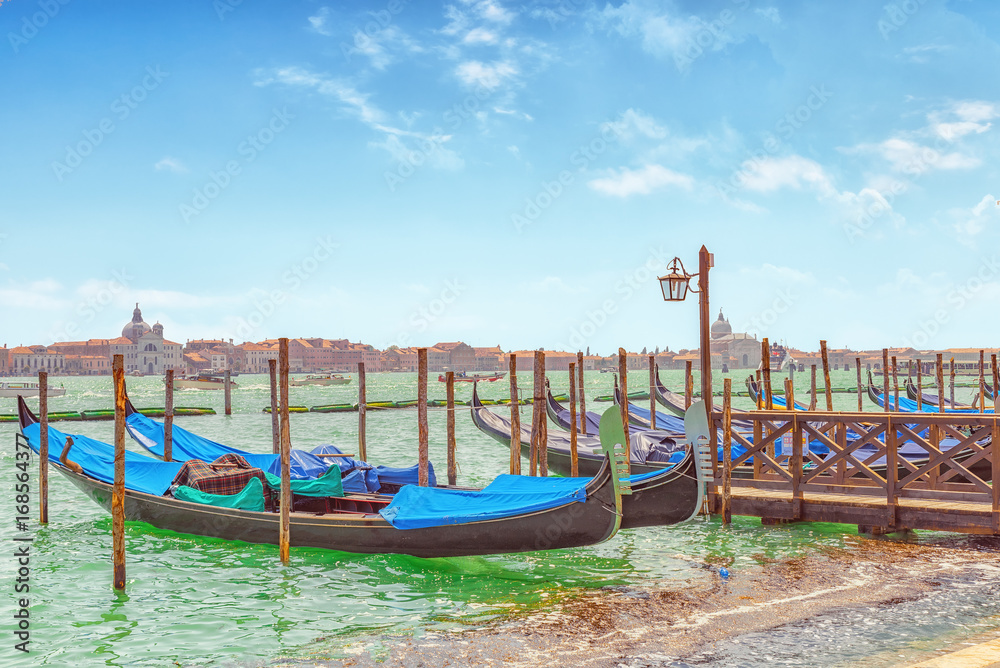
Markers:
<point>129,330</point>
<point>721,327</point>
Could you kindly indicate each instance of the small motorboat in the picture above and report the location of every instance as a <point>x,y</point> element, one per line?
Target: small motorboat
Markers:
<point>202,381</point>
<point>319,379</point>
<point>463,377</point>
<point>29,390</point>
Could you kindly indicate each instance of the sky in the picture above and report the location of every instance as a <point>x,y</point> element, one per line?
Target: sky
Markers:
<point>501,173</point>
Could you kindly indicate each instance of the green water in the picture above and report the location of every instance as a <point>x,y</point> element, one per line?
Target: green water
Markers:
<point>201,601</point>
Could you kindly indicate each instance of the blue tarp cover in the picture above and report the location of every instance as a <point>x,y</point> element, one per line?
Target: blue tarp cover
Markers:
<point>907,405</point>
<point>359,476</point>
<point>142,473</point>
<point>419,507</point>
<point>149,434</point>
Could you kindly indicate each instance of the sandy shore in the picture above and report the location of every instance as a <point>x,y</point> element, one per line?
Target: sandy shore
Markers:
<point>662,624</point>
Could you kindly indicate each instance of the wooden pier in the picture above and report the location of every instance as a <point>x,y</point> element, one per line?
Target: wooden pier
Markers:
<point>945,490</point>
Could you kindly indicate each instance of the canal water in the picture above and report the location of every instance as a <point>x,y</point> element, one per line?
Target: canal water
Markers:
<point>201,601</point>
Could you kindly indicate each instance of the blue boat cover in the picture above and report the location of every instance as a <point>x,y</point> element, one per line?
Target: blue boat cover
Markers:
<point>664,421</point>
<point>186,445</point>
<point>142,473</point>
<point>420,507</point>
<point>359,476</point>
<point>907,405</point>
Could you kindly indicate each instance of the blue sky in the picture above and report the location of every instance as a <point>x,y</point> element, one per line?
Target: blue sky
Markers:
<point>500,173</point>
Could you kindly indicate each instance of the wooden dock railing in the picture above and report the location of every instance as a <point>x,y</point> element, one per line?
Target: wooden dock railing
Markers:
<point>882,471</point>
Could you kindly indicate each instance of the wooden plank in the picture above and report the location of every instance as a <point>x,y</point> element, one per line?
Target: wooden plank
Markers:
<point>515,419</point>
<point>573,455</point>
<point>423,432</point>
<point>362,413</point>
<point>43,448</point>
<point>452,447</point>
<point>891,472</point>
<point>995,461</point>
<point>118,488</point>
<point>285,447</point>
<point>272,366</point>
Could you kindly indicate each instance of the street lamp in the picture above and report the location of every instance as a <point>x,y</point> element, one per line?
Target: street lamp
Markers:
<point>675,286</point>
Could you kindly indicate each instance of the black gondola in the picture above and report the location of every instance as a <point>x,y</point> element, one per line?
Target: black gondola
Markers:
<point>576,524</point>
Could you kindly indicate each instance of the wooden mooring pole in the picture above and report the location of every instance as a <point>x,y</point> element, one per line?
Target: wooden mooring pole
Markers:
<point>895,386</point>
<point>982,383</point>
<point>272,366</point>
<point>452,464</point>
<point>812,387</point>
<point>940,382</point>
<point>951,383</point>
<point>168,419</point>
<point>727,451</point>
<point>285,504</point>
<point>43,448</point>
<point>228,389</point>
<point>583,401</point>
<point>362,414</point>
<point>423,433</point>
<point>996,379</point>
<point>574,460</point>
<point>885,378</point>
<point>765,358</point>
<point>826,376</point>
<point>920,385</point>
<point>688,385</point>
<point>515,420</point>
<point>539,451</point>
<point>652,393</point>
<point>857,364</point>
<point>623,378</point>
<point>118,488</point>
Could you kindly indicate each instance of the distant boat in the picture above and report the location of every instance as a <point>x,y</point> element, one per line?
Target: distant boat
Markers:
<point>609,369</point>
<point>28,390</point>
<point>136,373</point>
<point>463,377</point>
<point>319,379</point>
<point>202,381</point>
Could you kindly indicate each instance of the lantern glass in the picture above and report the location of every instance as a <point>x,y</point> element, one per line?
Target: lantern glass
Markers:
<point>676,283</point>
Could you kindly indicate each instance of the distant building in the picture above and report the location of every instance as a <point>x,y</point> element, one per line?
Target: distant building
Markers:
<point>737,350</point>
<point>29,360</point>
<point>256,356</point>
<point>4,361</point>
<point>144,348</point>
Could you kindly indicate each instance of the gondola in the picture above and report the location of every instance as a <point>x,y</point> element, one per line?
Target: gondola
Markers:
<point>909,405</point>
<point>931,398</point>
<point>640,417</point>
<point>777,401</point>
<point>663,492</point>
<point>548,520</point>
<point>560,415</point>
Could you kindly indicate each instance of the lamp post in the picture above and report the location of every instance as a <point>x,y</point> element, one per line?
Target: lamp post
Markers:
<point>675,286</point>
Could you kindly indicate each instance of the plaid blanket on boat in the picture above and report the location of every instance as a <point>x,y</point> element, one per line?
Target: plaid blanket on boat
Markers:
<point>215,479</point>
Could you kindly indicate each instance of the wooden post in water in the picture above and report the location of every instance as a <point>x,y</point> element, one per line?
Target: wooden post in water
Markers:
<point>895,386</point>
<point>452,464</point>
<point>789,394</point>
<point>940,383</point>
<point>515,420</point>
<point>951,384</point>
<point>652,394</point>
<point>362,414</point>
<point>583,401</point>
<point>168,419</point>
<point>574,459</point>
<point>623,378</point>
<point>285,504</point>
<point>228,389</point>
<point>861,405</point>
<point>43,448</point>
<point>982,383</point>
<point>423,433</point>
<point>765,357</point>
<point>727,451</point>
<point>272,367</point>
<point>812,387</point>
<point>885,378</point>
<point>826,376</point>
<point>996,379</point>
<point>688,385</point>
<point>118,489</point>
<point>920,385</point>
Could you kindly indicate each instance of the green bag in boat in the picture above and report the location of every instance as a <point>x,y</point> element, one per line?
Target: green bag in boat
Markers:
<point>251,498</point>
<point>328,484</point>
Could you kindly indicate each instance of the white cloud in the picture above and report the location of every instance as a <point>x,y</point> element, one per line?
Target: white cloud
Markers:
<point>643,181</point>
<point>633,122</point>
<point>973,222</point>
<point>923,52</point>
<point>792,171</point>
<point>352,100</point>
<point>318,23</point>
<point>479,36</point>
<point>770,13</point>
<point>513,112</point>
<point>476,73</point>
<point>514,151</point>
<point>170,164</point>
<point>425,149</point>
